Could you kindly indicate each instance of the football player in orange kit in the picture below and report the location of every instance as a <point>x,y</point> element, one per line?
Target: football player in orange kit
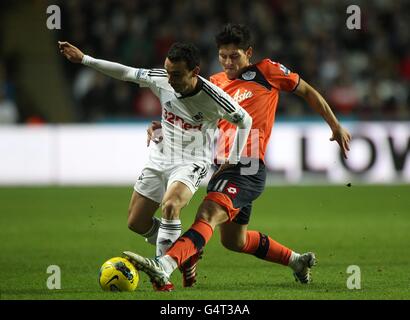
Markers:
<point>231,192</point>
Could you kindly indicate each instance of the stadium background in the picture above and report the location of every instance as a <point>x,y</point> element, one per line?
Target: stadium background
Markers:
<point>63,124</point>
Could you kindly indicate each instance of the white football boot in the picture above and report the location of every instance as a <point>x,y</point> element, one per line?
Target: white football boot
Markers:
<point>301,267</point>
<point>153,268</point>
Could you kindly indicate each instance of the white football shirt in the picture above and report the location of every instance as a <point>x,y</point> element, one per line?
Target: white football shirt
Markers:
<point>189,122</point>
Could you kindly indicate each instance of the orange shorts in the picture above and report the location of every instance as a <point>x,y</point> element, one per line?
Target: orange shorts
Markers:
<point>224,201</point>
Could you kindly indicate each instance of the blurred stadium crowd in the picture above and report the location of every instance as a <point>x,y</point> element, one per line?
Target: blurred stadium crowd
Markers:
<point>364,74</point>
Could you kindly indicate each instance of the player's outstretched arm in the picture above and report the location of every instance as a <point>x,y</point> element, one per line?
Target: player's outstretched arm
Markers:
<point>111,69</point>
<point>319,104</point>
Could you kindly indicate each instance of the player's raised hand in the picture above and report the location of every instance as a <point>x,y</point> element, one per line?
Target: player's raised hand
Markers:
<point>342,137</point>
<point>71,52</point>
<point>154,132</point>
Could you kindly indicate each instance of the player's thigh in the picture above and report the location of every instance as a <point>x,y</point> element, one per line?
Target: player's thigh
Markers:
<point>178,195</point>
<point>233,235</point>
<point>141,205</point>
<point>190,174</point>
<point>140,212</point>
<point>183,182</point>
<point>212,212</point>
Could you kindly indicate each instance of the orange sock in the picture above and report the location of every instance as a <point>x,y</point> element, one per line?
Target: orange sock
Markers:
<point>191,241</point>
<point>263,247</point>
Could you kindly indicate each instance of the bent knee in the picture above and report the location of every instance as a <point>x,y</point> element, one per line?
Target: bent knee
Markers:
<point>171,209</point>
<point>212,212</point>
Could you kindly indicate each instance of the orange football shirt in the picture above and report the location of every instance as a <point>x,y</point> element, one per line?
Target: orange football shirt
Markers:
<point>257,91</point>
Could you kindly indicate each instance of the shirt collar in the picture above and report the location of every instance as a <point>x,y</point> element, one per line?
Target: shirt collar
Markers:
<point>197,88</point>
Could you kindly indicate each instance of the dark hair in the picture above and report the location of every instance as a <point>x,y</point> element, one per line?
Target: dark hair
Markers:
<point>237,34</point>
<point>184,52</point>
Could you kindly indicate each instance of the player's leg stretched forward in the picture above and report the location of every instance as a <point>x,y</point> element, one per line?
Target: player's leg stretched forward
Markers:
<point>211,214</point>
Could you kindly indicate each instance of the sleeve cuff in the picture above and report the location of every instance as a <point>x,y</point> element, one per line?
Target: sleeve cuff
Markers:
<point>86,60</point>
<point>297,85</point>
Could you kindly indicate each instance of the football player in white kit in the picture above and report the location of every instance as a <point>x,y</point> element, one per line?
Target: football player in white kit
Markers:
<point>191,109</point>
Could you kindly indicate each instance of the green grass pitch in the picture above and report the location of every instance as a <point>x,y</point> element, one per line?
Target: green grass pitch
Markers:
<point>79,228</point>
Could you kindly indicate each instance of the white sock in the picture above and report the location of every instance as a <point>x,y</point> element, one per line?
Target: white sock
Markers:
<point>168,263</point>
<point>168,232</point>
<point>152,234</point>
<point>293,261</point>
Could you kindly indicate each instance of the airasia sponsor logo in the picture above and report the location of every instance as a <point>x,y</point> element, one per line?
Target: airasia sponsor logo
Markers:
<point>239,97</point>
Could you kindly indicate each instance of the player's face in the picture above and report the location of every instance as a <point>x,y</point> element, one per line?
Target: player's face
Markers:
<point>234,59</point>
<point>179,77</point>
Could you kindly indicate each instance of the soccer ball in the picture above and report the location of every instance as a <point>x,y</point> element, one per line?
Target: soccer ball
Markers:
<point>118,274</point>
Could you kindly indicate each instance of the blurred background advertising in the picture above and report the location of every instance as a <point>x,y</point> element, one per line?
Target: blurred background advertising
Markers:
<point>62,123</point>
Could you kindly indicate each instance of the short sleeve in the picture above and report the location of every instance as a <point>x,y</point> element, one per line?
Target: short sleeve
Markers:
<point>279,76</point>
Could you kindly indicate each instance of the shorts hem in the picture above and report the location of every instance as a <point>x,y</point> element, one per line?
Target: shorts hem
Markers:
<point>224,201</point>
<point>147,195</point>
<point>186,183</point>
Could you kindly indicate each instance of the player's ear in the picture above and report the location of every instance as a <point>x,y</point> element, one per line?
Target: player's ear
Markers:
<point>249,52</point>
<point>195,71</point>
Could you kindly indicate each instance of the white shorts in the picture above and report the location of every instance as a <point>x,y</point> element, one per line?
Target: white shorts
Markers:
<point>155,179</point>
